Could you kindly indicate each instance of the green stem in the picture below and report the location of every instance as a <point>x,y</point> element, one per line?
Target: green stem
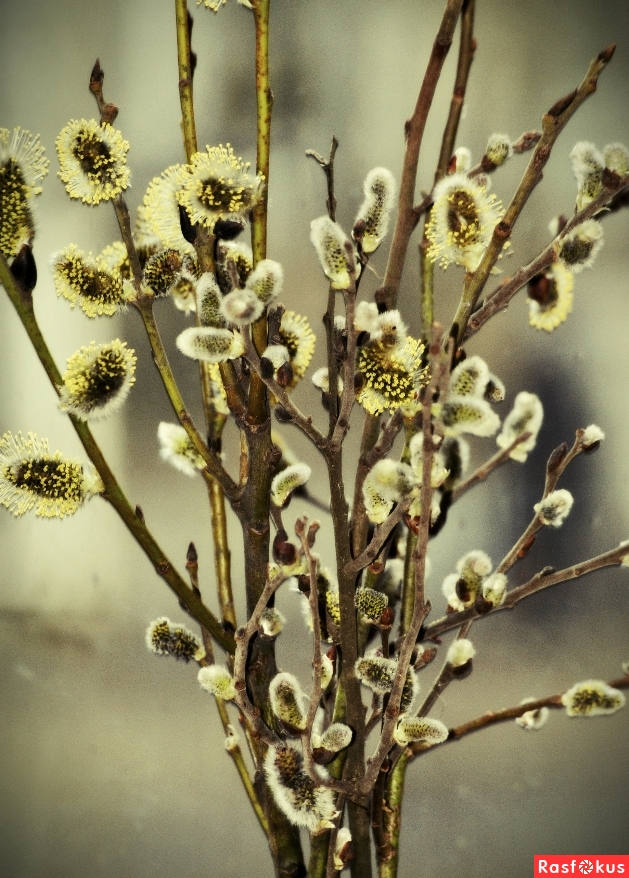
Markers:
<point>388,864</point>
<point>213,464</point>
<point>213,423</point>
<point>318,860</point>
<point>113,493</point>
<point>241,768</point>
<point>264,105</point>
<point>184,63</point>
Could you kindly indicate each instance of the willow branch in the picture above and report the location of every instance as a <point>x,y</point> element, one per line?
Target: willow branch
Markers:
<point>234,751</point>
<point>485,469</point>
<point>211,460</point>
<point>185,66</point>
<point>414,131</point>
<point>113,493</point>
<point>328,169</point>
<point>545,578</point>
<point>243,639</point>
<point>421,607</point>
<point>467,47</point>
<point>380,535</point>
<point>556,465</point>
<point>553,123</point>
<point>297,417</point>
<point>499,298</point>
<point>492,717</point>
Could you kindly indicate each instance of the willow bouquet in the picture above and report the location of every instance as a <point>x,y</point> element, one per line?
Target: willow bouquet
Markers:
<point>323,761</point>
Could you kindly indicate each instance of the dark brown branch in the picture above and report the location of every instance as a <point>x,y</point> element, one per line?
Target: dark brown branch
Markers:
<point>499,299</point>
<point>553,123</point>
<point>545,578</point>
<point>407,218</point>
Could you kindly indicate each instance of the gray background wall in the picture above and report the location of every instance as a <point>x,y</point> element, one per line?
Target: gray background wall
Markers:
<point>112,761</point>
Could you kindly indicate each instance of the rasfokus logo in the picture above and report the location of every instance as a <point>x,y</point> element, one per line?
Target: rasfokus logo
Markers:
<point>581,864</point>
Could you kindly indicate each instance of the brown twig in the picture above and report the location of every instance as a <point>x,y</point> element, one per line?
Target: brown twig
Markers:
<point>407,218</point>
<point>243,638</point>
<point>545,578</point>
<point>485,469</point>
<point>553,122</point>
<point>500,298</point>
<point>421,607</point>
<point>328,169</point>
<point>492,717</point>
<point>297,417</point>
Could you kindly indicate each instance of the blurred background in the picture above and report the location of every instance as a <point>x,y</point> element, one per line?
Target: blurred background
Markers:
<point>112,759</point>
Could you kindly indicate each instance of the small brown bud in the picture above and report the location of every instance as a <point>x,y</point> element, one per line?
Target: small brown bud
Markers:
<point>282,415</point>
<point>386,618</point>
<point>285,375</point>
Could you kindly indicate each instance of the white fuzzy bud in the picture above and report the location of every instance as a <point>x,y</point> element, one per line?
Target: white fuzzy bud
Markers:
<point>460,652</point>
<point>386,483</point>
<point>498,148</point>
<point>277,354</point>
<point>209,301</point>
<point>327,671</point>
<point>217,680</point>
<point>266,281</point>
<point>285,482</point>
<point>272,622</point>
<point>241,307</point>
<point>335,252</point>
<point>470,377</point>
<point>210,344</point>
<point>336,737</point>
<point>578,249</point>
<point>410,729</point>
<point>616,156</point>
<point>374,213</point>
<point>532,720</point>
<point>494,589</point>
<point>296,794</point>
<point>526,416</point>
<point>592,698</point>
<point>465,414</point>
<point>342,848</point>
<point>321,380</point>
<point>592,435</point>
<point>370,603</point>
<point>463,159</point>
<point>177,449</point>
<point>554,508</point>
<point>366,317</point>
<point>287,699</point>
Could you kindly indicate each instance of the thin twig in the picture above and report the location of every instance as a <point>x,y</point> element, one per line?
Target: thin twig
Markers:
<point>407,218</point>
<point>553,122</point>
<point>113,492</point>
<point>492,717</point>
<point>297,417</point>
<point>328,169</point>
<point>485,469</point>
<point>185,66</point>
<point>243,638</point>
<point>421,607</point>
<point>499,298</point>
<point>545,578</point>
<point>380,535</point>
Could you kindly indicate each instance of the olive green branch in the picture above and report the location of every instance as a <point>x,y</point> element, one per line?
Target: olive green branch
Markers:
<point>113,494</point>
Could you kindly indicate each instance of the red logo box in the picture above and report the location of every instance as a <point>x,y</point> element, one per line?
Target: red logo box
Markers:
<point>581,864</point>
